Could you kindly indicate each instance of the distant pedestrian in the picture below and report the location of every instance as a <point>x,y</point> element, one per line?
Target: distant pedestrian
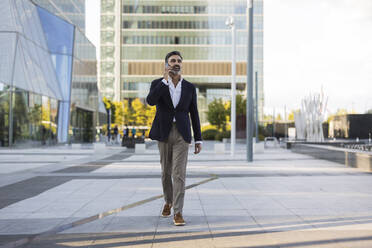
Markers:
<point>116,132</point>
<point>43,134</point>
<point>108,134</point>
<point>133,132</point>
<point>126,132</point>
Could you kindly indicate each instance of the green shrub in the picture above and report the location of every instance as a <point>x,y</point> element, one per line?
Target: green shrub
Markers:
<point>226,135</point>
<point>218,136</point>
<point>210,134</point>
<point>223,135</point>
<point>208,127</point>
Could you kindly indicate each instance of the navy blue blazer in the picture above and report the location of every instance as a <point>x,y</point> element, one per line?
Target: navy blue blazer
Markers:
<point>159,95</point>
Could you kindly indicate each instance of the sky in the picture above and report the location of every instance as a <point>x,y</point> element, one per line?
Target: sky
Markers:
<point>309,45</point>
<point>315,44</point>
<point>92,19</point>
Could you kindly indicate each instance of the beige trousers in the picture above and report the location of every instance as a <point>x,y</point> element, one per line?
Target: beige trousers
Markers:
<point>173,159</point>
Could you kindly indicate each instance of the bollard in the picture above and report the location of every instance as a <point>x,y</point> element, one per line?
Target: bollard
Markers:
<point>258,148</point>
<point>76,146</point>
<point>99,147</point>
<point>219,148</point>
<point>140,148</point>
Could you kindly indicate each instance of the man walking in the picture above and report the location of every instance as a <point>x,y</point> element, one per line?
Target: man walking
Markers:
<point>176,101</point>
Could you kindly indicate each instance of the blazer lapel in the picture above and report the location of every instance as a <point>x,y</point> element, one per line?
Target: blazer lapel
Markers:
<point>168,99</point>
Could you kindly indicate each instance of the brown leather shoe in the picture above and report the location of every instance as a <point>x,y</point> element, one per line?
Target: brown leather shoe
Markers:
<point>166,210</point>
<point>178,220</point>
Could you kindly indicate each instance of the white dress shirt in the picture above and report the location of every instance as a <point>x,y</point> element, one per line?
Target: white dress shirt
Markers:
<point>175,93</point>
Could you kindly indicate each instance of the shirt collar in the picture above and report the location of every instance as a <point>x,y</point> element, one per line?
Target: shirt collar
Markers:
<point>179,82</point>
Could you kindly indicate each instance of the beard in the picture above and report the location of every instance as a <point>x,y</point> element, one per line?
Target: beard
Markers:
<point>176,70</point>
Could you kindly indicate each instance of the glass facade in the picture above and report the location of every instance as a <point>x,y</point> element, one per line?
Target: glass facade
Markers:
<point>84,92</point>
<point>81,125</point>
<point>84,96</point>
<point>30,90</point>
<point>46,63</point>
<point>72,11</point>
<point>34,119</point>
<point>60,40</point>
<point>4,114</point>
<point>136,36</point>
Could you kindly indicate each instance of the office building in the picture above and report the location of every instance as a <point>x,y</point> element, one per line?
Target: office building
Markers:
<point>350,126</point>
<point>136,36</point>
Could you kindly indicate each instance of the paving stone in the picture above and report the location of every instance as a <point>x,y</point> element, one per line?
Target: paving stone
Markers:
<point>282,199</point>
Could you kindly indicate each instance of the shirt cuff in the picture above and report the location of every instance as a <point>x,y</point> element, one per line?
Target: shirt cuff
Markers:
<point>165,82</point>
<point>199,142</point>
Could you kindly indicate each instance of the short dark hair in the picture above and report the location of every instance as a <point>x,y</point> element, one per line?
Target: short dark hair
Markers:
<point>171,54</point>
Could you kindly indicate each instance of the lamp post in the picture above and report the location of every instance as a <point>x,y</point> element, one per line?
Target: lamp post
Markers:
<point>285,119</point>
<point>108,105</point>
<point>230,23</point>
<point>250,82</point>
<point>256,105</point>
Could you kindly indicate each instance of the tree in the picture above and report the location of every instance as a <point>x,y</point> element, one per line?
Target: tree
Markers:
<point>278,117</point>
<point>139,112</point>
<point>108,106</point>
<point>132,112</point>
<point>20,117</point>
<point>217,114</point>
<point>34,115</point>
<point>128,113</point>
<point>338,112</point>
<point>106,102</point>
<point>150,113</point>
<point>291,115</point>
<point>241,105</point>
<point>341,112</point>
<point>119,113</point>
<point>267,118</point>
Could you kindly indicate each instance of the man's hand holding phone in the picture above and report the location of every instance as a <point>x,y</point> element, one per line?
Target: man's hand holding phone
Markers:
<point>166,73</point>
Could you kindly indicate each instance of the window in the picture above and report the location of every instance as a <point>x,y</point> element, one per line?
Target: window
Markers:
<point>128,9</point>
<point>126,24</point>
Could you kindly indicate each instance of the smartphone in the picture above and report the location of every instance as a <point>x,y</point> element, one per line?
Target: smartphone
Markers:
<point>170,71</point>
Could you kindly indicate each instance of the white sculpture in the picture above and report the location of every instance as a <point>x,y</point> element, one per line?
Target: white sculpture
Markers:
<point>309,119</point>
<point>300,123</point>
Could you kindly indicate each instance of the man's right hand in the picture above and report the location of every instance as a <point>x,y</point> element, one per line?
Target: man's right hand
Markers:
<point>166,74</point>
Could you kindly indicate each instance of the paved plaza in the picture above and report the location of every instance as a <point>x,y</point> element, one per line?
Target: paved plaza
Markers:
<point>112,197</point>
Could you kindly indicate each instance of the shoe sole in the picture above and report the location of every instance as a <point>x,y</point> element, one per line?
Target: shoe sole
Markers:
<point>179,224</point>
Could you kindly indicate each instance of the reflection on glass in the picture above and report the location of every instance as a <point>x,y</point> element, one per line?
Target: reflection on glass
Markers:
<point>20,116</point>
<point>4,115</point>
<point>60,41</point>
<point>53,119</point>
<point>81,126</point>
<point>45,120</point>
<point>34,119</point>
<point>34,116</point>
